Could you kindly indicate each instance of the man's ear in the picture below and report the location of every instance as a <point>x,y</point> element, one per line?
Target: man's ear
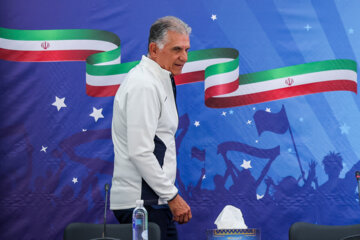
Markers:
<point>153,49</point>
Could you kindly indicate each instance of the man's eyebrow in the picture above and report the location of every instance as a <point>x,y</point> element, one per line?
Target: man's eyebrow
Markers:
<point>180,47</point>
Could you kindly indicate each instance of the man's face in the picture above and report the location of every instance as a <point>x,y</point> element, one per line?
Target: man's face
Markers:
<point>174,54</point>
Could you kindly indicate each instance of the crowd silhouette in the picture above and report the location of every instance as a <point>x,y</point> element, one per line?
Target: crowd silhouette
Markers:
<point>290,199</point>
<point>43,203</point>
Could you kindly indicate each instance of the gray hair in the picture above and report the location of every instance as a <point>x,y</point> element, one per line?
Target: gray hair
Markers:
<point>159,29</point>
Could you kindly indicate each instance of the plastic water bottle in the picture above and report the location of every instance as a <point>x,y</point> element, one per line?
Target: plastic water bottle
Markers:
<point>140,221</point>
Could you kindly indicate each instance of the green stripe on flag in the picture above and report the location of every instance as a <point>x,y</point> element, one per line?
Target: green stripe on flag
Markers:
<point>212,53</point>
<point>221,68</point>
<point>105,70</point>
<point>104,56</point>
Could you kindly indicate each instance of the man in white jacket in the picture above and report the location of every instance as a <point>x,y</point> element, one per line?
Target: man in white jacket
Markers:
<point>145,121</point>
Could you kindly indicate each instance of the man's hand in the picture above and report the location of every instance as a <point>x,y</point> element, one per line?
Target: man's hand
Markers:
<point>180,210</point>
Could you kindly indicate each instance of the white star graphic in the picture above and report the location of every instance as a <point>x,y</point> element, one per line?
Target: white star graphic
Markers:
<point>351,30</point>
<point>344,129</point>
<point>254,108</point>
<point>43,149</point>
<point>256,141</point>
<point>213,17</point>
<point>258,197</point>
<point>268,110</point>
<point>246,164</point>
<point>84,130</point>
<point>197,123</point>
<point>231,111</point>
<point>204,177</point>
<point>223,114</point>
<point>74,180</point>
<point>59,103</point>
<point>307,27</point>
<point>96,114</point>
<point>248,122</point>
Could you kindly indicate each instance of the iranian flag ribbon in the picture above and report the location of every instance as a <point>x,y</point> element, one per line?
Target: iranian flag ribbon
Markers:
<point>225,87</point>
<point>218,68</point>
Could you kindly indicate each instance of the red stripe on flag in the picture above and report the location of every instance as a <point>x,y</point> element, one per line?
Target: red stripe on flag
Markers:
<point>333,85</point>
<point>45,55</point>
<point>222,89</point>
<point>101,91</point>
<point>190,77</point>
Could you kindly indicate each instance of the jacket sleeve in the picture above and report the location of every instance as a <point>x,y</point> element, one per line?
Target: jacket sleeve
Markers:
<point>143,109</point>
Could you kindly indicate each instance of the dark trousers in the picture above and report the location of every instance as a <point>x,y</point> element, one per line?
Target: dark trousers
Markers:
<point>162,217</point>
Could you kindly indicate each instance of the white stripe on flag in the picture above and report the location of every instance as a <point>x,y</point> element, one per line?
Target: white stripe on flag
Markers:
<point>57,45</point>
<point>115,61</point>
<point>106,80</point>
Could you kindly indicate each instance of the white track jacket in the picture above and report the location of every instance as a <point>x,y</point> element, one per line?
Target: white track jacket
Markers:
<point>144,124</point>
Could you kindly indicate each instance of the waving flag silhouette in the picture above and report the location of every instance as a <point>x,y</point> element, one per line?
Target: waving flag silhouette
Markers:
<point>273,122</point>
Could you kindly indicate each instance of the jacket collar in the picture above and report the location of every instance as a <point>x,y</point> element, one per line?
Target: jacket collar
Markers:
<point>155,67</point>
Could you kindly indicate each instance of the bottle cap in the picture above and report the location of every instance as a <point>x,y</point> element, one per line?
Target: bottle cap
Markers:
<point>139,202</point>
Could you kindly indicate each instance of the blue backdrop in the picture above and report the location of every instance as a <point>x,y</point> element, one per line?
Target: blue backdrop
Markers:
<point>279,161</point>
